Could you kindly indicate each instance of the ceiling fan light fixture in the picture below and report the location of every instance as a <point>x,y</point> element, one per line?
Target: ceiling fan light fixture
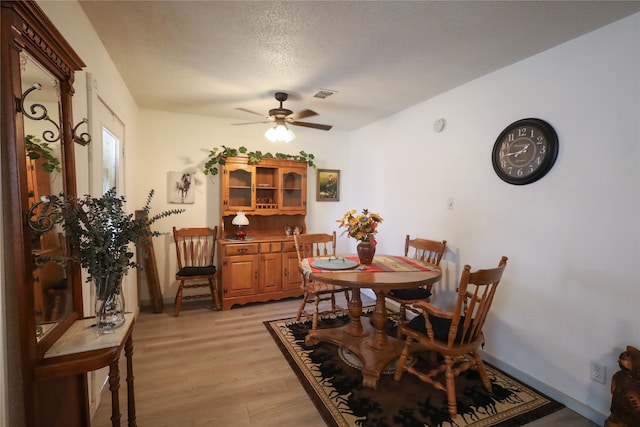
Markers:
<point>280,132</point>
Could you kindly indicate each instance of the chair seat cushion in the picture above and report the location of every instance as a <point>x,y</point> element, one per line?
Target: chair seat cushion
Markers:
<point>440,327</point>
<point>197,271</point>
<point>59,285</point>
<point>411,293</point>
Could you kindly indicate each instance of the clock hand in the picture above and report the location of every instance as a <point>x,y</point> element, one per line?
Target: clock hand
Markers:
<point>524,149</point>
<point>517,153</point>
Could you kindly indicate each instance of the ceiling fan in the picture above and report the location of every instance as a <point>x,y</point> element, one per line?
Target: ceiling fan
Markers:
<point>283,116</point>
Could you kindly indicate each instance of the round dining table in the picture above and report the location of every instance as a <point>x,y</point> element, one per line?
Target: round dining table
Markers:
<point>368,339</point>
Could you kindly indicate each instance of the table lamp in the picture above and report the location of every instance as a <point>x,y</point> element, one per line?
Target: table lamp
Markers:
<point>240,219</point>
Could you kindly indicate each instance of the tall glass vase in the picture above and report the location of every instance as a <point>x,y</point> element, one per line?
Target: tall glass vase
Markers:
<point>366,251</point>
<point>109,304</point>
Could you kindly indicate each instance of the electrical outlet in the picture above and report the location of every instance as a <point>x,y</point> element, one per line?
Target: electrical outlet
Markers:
<point>598,372</point>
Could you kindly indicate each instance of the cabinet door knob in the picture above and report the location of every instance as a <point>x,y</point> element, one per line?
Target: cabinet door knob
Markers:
<point>242,250</point>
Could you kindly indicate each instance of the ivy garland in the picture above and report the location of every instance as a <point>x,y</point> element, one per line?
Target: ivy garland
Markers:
<point>37,149</point>
<point>218,156</point>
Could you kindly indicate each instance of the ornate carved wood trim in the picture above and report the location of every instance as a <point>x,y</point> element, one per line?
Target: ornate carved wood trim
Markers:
<point>39,32</point>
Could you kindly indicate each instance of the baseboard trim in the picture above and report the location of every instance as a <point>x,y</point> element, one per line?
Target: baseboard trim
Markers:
<point>566,400</point>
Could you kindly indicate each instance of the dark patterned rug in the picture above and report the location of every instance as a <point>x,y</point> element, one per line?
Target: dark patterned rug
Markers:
<point>335,387</point>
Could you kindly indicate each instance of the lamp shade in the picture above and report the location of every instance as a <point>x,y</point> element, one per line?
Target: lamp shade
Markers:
<point>280,132</point>
<point>240,219</point>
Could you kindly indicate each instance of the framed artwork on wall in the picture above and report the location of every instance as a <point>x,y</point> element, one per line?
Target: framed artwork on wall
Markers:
<point>328,185</point>
<point>180,188</point>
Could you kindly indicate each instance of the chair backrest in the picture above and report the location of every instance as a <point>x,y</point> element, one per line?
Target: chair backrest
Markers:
<point>430,251</point>
<point>315,245</point>
<point>475,295</point>
<point>195,247</point>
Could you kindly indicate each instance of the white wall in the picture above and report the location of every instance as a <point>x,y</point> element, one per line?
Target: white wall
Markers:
<point>571,291</point>
<point>180,143</point>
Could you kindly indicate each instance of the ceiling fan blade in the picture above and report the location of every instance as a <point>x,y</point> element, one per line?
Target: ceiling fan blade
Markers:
<point>302,114</point>
<point>251,112</point>
<point>251,123</point>
<point>311,125</point>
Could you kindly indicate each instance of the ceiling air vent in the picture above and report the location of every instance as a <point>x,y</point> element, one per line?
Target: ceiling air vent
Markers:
<point>324,93</point>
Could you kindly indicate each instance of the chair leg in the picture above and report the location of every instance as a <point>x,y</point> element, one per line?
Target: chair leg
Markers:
<point>333,302</point>
<point>316,313</point>
<point>57,303</point>
<point>402,318</point>
<point>402,360</point>
<point>302,305</point>
<point>482,371</point>
<point>178,302</point>
<point>213,285</point>
<point>451,387</point>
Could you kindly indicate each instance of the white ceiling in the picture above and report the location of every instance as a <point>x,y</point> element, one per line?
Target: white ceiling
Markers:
<point>210,57</point>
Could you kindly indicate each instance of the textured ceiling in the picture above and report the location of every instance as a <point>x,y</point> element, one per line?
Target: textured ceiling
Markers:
<point>209,57</point>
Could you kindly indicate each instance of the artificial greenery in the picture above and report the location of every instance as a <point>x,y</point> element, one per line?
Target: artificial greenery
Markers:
<point>218,156</point>
<point>100,233</point>
<point>37,149</point>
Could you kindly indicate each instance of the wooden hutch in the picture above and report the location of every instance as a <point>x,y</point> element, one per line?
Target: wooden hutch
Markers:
<point>273,196</point>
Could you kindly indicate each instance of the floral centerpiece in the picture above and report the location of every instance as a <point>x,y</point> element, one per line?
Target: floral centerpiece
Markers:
<point>100,232</point>
<point>362,227</point>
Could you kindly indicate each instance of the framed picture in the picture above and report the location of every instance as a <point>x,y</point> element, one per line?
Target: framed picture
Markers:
<point>328,185</point>
<point>180,188</point>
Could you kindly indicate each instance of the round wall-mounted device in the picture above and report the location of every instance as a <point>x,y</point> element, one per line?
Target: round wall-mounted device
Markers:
<point>438,125</point>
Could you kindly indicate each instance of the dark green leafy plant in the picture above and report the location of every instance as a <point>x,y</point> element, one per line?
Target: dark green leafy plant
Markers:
<point>100,233</point>
<point>218,156</point>
<point>37,149</point>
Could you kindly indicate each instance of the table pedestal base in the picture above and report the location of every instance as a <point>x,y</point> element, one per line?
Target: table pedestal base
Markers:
<point>365,337</point>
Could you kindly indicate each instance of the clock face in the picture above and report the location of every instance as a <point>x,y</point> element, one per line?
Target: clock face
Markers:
<point>525,151</point>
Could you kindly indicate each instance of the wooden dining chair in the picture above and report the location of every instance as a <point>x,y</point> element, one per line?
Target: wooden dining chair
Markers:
<point>316,245</point>
<point>195,248</point>
<point>455,335</point>
<point>424,250</point>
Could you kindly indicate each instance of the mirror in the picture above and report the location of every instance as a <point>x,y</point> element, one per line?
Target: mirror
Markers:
<point>41,106</point>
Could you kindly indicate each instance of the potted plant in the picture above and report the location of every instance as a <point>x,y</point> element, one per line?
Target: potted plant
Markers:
<point>362,227</point>
<point>100,233</point>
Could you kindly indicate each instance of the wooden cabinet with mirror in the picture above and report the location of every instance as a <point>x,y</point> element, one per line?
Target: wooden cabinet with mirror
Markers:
<point>42,301</point>
<point>273,195</point>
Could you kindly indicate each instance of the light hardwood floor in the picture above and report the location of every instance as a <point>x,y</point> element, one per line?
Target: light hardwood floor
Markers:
<point>223,369</point>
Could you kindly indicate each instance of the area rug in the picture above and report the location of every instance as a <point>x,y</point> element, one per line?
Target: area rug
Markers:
<point>334,384</point>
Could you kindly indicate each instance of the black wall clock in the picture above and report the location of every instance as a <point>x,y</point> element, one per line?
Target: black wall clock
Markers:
<point>525,151</point>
